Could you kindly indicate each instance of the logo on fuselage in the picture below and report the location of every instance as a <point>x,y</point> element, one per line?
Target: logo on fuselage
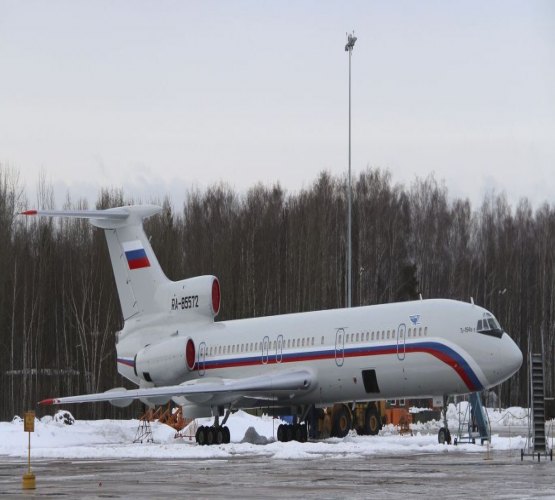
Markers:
<point>415,319</point>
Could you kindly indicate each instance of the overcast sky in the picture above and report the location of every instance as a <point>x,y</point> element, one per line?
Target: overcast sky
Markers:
<point>159,96</point>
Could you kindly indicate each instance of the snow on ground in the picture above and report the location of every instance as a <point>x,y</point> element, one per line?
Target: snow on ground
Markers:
<point>114,439</point>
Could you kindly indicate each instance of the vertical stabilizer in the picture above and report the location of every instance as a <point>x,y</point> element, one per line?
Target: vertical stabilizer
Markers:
<point>137,272</point>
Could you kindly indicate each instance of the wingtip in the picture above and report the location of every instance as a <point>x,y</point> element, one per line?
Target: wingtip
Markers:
<point>29,212</point>
<point>48,402</point>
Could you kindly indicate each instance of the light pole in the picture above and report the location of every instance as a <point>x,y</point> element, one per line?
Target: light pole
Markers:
<point>351,39</point>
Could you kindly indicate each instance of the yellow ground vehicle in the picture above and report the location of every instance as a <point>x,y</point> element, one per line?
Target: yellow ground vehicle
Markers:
<point>366,418</point>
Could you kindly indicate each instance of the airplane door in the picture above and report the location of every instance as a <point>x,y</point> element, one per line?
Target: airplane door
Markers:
<point>340,346</point>
<point>202,359</point>
<point>401,337</point>
<point>265,349</point>
<point>279,349</point>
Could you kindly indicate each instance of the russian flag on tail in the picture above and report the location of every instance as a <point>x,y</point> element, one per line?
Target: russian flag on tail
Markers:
<point>135,254</point>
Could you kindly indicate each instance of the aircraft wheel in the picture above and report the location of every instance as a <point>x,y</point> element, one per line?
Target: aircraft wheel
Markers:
<point>298,433</point>
<point>341,422</point>
<point>281,433</point>
<point>372,421</point>
<point>444,436</point>
<point>304,433</point>
<point>227,436</point>
<point>200,436</point>
<point>288,433</point>
<point>219,435</point>
<point>210,437</point>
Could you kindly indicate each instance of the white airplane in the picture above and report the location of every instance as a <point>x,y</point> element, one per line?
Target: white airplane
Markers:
<point>171,347</point>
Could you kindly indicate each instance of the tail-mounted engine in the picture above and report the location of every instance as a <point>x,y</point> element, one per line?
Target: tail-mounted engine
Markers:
<point>166,362</point>
<point>193,298</point>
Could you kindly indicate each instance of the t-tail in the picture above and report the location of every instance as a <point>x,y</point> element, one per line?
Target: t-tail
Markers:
<point>142,286</point>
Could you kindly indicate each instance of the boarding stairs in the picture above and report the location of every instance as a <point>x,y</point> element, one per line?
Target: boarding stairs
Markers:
<point>536,444</point>
<point>474,424</point>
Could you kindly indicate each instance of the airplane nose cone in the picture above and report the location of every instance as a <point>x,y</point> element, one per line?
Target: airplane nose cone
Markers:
<point>512,355</point>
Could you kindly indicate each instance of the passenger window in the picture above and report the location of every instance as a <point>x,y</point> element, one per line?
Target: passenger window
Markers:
<point>322,340</point>
<point>233,349</point>
<point>425,331</point>
<point>420,332</point>
<point>312,340</point>
<point>303,342</point>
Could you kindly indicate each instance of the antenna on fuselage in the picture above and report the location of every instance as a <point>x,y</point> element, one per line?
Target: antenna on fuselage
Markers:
<point>472,300</point>
<point>420,295</point>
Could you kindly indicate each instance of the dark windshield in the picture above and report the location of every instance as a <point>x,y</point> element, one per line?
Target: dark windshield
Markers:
<point>488,325</point>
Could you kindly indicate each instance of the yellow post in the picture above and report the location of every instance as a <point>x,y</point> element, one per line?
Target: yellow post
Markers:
<point>29,426</point>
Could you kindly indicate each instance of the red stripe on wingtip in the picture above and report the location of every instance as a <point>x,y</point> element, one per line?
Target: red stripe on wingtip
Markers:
<point>29,212</point>
<point>48,402</point>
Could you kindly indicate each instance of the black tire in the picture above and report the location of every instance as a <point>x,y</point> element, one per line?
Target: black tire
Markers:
<point>227,435</point>
<point>372,421</point>
<point>288,433</point>
<point>444,436</point>
<point>210,435</point>
<point>304,434</point>
<point>281,433</point>
<point>341,422</point>
<point>297,433</point>
<point>219,435</point>
<point>200,436</point>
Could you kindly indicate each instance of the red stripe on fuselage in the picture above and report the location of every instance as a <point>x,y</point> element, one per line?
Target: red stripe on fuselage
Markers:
<point>289,358</point>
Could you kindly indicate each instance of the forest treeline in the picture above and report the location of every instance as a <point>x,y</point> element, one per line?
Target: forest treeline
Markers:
<point>274,253</point>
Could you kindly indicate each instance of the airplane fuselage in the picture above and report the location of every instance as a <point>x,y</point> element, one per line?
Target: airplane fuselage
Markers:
<point>412,349</point>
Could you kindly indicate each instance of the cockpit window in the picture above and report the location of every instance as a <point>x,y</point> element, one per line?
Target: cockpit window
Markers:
<point>488,325</point>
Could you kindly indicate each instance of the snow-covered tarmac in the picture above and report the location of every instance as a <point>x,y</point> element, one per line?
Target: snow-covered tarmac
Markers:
<point>114,439</point>
<point>99,458</point>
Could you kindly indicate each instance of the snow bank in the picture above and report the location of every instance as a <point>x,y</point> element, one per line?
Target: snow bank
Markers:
<point>114,439</point>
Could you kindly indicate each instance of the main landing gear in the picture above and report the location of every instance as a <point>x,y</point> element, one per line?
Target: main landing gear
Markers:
<point>214,434</point>
<point>292,432</point>
<point>209,435</point>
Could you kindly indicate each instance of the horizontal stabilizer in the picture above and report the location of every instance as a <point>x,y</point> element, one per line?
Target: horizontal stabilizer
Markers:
<point>110,218</point>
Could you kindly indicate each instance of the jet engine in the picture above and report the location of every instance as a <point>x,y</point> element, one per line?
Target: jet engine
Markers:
<point>192,299</point>
<point>166,362</point>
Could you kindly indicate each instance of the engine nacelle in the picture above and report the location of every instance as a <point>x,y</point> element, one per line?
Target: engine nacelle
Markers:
<point>192,298</point>
<point>166,362</point>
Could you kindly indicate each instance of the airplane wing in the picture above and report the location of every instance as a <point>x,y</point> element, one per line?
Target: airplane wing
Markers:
<point>294,381</point>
